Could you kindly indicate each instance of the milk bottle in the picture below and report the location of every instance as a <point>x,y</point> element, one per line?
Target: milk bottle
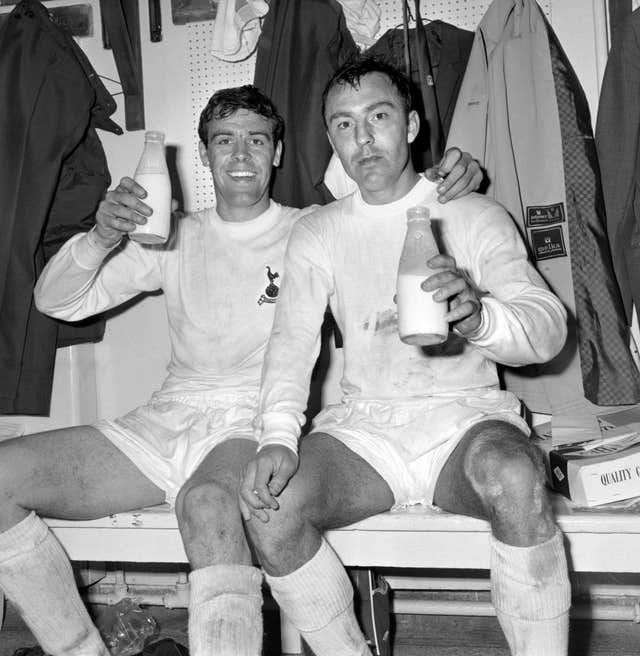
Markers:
<point>421,319</point>
<point>152,174</point>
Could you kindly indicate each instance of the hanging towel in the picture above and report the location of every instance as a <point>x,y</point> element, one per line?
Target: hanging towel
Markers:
<point>363,20</point>
<point>236,28</point>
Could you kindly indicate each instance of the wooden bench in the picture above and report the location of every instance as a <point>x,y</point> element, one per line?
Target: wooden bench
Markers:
<point>414,538</point>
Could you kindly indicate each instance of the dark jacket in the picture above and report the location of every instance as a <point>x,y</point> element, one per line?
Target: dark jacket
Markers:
<point>53,174</point>
<point>301,44</point>
<point>618,144</point>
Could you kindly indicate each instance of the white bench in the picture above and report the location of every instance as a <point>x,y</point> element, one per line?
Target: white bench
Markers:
<point>418,537</point>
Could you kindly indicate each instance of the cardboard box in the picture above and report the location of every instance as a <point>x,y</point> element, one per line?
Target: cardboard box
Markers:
<point>595,472</point>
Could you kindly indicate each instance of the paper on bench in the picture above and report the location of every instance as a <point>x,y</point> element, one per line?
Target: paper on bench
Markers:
<point>573,428</point>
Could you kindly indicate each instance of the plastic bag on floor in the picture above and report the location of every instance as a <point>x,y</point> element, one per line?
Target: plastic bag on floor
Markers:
<point>125,627</point>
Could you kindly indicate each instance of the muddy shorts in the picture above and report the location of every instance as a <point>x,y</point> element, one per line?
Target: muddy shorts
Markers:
<point>409,441</point>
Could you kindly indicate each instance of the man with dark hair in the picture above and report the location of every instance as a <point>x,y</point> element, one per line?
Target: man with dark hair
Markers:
<point>226,102</point>
<point>220,275</point>
<point>416,424</point>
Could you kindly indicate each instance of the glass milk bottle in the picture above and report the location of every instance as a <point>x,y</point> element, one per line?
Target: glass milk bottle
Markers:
<point>152,174</point>
<point>421,319</point>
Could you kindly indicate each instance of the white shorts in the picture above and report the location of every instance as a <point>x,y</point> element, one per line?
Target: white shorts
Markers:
<point>409,441</point>
<point>168,438</point>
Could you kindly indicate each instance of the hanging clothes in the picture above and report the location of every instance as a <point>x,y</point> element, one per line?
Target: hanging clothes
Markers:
<point>236,28</point>
<point>449,48</point>
<point>534,139</point>
<point>448,52</point>
<point>363,20</point>
<point>300,47</point>
<point>53,174</point>
<point>618,144</point>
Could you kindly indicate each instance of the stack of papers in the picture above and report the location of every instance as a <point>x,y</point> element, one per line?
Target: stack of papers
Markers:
<point>599,470</point>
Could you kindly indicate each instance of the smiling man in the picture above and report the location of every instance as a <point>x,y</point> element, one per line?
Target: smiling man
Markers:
<point>416,424</point>
<point>186,446</point>
<point>220,275</point>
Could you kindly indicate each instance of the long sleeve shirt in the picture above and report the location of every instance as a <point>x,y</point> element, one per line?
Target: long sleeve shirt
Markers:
<point>220,282</point>
<point>347,253</point>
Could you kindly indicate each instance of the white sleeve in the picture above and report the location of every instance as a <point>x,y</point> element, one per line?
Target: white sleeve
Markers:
<point>523,322</point>
<point>295,339</point>
<point>83,278</point>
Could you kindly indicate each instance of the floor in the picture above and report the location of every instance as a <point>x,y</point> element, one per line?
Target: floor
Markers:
<point>414,635</point>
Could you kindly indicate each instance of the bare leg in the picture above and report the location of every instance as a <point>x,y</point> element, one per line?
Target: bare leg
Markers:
<point>77,474</point>
<point>496,473</point>
<point>225,605</point>
<point>207,507</point>
<point>74,473</point>
<point>333,487</point>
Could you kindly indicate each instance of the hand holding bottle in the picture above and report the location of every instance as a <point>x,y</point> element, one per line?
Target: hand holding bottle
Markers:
<point>450,284</point>
<point>120,212</point>
<point>421,317</point>
<point>153,174</point>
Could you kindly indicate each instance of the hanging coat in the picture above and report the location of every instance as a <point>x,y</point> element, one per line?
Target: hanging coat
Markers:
<point>618,143</point>
<point>301,45</point>
<point>53,174</point>
<point>522,113</point>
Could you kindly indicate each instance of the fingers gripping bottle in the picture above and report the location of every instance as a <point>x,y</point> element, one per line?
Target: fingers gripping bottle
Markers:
<point>152,174</point>
<point>421,319</point>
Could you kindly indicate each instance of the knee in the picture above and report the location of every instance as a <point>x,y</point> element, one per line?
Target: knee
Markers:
<point>284,527</point>
<point>199,503</point>
<point>507,472</point>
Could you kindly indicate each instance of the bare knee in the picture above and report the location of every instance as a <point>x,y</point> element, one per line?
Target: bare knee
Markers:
<point>210,524</point>
<point>507,473</point>
<point>280,539</point>
<point>202,504</point>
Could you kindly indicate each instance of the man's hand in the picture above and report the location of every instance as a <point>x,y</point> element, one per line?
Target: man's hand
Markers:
<point>120,212</point>
<point>264,479</point>
<point>452,285</point>
<point>460,173</point>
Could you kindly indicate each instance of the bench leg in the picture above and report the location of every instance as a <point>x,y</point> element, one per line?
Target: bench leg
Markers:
<point>290,641</point>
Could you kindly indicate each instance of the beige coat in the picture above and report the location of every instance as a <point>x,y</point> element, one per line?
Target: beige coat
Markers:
<point>507,117</point>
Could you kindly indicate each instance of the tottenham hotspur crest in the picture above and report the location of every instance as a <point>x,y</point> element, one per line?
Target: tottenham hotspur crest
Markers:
<point>271,290</point>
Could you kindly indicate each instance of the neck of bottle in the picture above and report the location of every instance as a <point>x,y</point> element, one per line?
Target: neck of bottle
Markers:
<point>152,159</point>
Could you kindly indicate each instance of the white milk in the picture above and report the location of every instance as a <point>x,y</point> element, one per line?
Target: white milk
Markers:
<point>421,319</point>
<point>156,229</point>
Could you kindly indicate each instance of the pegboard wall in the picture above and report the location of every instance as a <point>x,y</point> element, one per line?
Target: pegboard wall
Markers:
<point>207,74</point>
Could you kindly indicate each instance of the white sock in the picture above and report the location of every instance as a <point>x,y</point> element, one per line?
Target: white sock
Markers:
<point>36,576</point>
<point>532,595</point>
<point>225,611</point>
<point>317,599</point>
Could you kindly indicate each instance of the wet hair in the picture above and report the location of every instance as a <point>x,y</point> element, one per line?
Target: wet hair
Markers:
<point>225,102</point>
<point>351,72</point>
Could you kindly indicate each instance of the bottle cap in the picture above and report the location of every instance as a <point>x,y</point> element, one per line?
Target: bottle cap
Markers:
<point>154,135</point>
<point>418,213</point>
